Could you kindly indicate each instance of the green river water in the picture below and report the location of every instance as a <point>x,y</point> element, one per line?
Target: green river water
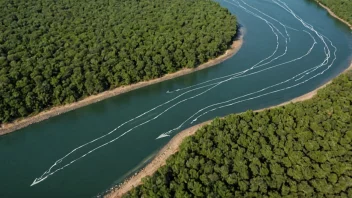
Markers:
<point>290,48</point>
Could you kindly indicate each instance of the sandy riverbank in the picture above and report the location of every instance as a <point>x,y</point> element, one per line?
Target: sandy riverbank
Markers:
<point>157,162</point>
<point>172,147</point>
<point>334,15</point>
<point>21,123</point>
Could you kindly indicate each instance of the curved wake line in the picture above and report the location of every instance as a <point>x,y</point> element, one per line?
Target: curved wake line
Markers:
<point>302,74</point>
<point>289,87</point>
<point>49,172</point>
<point>261,63</point>
<point>169,132</point>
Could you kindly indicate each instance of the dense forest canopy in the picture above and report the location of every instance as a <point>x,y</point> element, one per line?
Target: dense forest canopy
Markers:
<point>58,52</point>
<point>342,8</point>
<point>298,150</point>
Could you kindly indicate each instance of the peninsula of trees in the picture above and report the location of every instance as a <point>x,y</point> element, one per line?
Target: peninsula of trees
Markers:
<point>58,52</point>
<point>298,150</point>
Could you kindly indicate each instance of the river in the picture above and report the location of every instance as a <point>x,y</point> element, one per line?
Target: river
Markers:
<point>290,48</point>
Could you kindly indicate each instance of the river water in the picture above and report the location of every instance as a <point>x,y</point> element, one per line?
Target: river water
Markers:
<point>290,48</point>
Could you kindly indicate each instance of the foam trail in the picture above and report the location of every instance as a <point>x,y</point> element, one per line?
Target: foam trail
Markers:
<point>48,172</point>
<point>327,53</point>
<point>172,106</point>
<point>283,89</point>
<point>43,177</point>
<point>326,50</point>
<point>285,7</point>
<point>309,27</point>
<point>154,117</point>
<point>109,133</point>
<point>283,25</point>
<point>170,131</point>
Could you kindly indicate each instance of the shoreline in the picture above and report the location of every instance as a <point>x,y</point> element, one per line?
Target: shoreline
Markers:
<point>172,146</point>
<point>334,15</point>
<point>159,160</point>
<point>54,111</point>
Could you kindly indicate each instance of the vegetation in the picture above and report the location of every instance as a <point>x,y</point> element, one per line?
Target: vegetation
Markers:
<point>58,52</point>
<point>342,8</point>
<point>298,150</point>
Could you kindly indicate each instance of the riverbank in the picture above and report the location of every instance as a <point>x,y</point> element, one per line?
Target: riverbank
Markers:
<point>172,147</point>
<point>21,123</point>
<point>334,15</point>
<point>160,160</point>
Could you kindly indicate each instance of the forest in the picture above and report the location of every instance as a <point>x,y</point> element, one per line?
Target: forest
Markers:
<point>298,150</point>
<point>58,52</point>
<point>342,8</point>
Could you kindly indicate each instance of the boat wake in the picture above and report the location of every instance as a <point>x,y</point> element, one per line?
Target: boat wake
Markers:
<point>281,32</point>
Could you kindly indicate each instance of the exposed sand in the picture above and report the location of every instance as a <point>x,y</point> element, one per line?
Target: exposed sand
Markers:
<point>172,147</point>
<point>158,161</point>
<point>334,15</point>
<point>21,123</point>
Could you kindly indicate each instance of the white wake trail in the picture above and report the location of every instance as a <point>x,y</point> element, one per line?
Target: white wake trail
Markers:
<point>49,172</point>
<point>172,130</point>
<point>327,53</point>
<point>276,31</point>
<point>279,90</point>
<point>283,25</point>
